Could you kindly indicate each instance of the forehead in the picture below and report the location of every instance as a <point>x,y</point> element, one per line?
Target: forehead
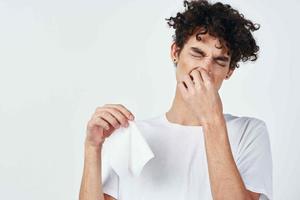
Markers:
<point>207,42</point>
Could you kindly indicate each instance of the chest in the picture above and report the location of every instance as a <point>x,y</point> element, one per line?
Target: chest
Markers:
<point>178,171</point>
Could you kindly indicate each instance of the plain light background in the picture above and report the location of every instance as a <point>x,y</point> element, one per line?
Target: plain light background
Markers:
<point>60,59</point>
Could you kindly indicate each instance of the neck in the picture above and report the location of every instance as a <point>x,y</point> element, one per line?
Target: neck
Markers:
<point>179,113</point>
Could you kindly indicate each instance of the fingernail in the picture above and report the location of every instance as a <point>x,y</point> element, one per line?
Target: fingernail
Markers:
<point>131,117</point>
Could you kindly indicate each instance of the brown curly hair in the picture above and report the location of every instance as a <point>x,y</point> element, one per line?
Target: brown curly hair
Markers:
<point>221,21</point>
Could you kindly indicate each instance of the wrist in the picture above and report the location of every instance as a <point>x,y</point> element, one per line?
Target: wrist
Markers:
<point>92,147</point>
<point>214,120</point>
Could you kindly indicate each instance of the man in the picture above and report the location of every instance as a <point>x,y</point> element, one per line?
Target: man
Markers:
<point>201,153</point>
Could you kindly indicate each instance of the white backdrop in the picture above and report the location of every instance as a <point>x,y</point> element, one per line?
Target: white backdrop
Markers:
<point>60,59</point>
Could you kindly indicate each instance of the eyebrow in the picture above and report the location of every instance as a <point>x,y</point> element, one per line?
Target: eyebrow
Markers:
<point>198,50</point>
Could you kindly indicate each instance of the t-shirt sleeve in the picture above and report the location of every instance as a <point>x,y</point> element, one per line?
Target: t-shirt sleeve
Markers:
<point>110,180</point>
<point>254,159</point>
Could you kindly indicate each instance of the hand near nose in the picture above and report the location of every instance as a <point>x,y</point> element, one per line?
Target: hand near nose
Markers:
<point>201,95</point>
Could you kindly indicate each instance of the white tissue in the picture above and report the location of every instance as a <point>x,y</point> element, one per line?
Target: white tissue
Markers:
<point>128,150</point>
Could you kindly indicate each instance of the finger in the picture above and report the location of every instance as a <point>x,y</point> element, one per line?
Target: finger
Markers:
<point>182,88</point>
<point>188,81</point>
<point>101,122</point>
<point>196,77</point>
<point>205,76</point>
<point>107,116</point>
<point>122,119</point>
<point>123,109</point>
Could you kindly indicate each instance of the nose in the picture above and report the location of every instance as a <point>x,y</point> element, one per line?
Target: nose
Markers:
<point>207,64</point>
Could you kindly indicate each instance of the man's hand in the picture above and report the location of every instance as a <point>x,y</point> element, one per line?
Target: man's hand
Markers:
<point>201,95</point>
<point>104,121</point>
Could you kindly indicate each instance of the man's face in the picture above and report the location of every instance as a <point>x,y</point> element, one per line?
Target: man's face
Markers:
<point>203,54</point>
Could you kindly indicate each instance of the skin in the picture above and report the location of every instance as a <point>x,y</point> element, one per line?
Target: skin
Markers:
<point>199,77</point>
<point>197,102</point>
<point>197,56</point>
<point>102,124</point>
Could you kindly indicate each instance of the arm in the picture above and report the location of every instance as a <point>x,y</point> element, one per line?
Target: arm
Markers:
<point>91,187</point>
<point>102,124</point>
<point>225,179</point>
<point>91,179</point>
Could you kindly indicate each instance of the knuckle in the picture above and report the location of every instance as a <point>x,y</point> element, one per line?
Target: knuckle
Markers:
<point>120,105</point>
<point>105,114</point>
<point>124,109</point>
<point>98,108</point>
<point>114,110</point>
<point>118,113</point>
<point>108,105</point>
<point>194,72</point>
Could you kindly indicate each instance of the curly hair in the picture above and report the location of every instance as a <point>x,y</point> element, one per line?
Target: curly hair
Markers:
<point>221,21</point>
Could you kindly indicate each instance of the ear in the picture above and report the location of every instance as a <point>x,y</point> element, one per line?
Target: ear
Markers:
<point>174,51</point>
<point>230,72</point>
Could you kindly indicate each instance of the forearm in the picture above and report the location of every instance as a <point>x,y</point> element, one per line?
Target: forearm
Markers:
<point>91,186</point>
<point>225,180</point>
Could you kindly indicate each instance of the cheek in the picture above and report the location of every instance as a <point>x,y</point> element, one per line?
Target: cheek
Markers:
<point>217,77</point>
<point>182,68</point>
<point>186,66</point>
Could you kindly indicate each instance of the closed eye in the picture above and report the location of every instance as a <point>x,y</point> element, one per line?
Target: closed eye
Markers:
<point>222,60</point>
<point>201,56</point>
<point>197,56</point>
<point>221,64</point>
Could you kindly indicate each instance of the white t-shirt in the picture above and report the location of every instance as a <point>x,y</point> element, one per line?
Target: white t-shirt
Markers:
<point>179,169</point>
